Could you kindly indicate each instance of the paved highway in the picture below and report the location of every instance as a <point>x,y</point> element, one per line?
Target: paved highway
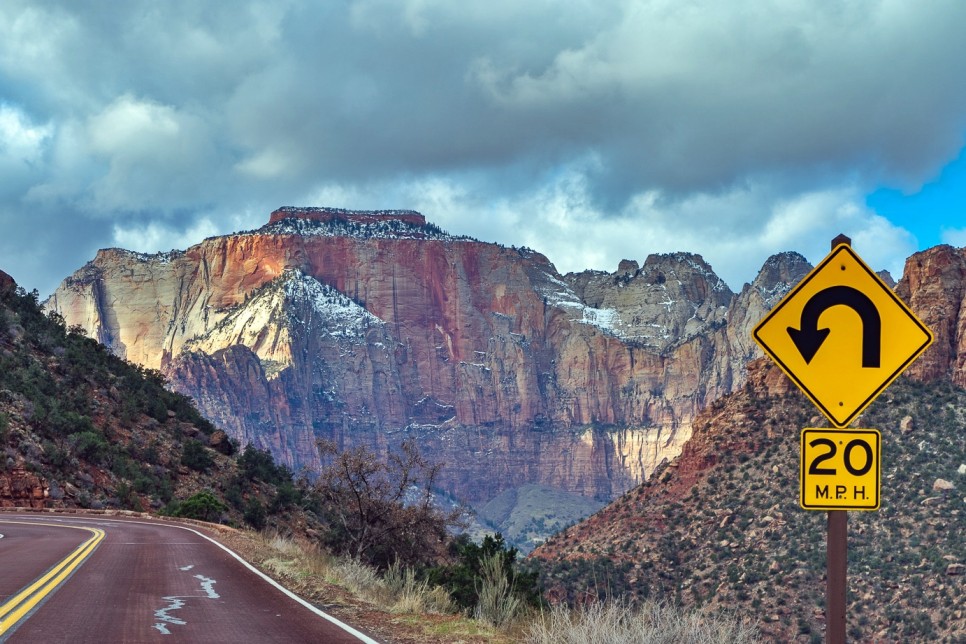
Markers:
<point>97,579</point>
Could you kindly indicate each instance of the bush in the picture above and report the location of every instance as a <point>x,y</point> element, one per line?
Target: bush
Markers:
<point>255,513</point>
<point>382,512</point>
<point>256,464</point>
<point>498,601</point>
<point>409,594</point>
<point>90,446</point>
<point>196,456</point>
<point>286,496</point>
<point>466,578</point>
<point>203,506</point>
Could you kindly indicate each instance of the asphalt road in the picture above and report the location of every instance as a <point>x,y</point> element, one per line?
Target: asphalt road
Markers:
<point>91,579</point>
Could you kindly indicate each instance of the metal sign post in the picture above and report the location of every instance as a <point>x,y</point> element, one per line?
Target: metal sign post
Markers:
<point>836,566</point>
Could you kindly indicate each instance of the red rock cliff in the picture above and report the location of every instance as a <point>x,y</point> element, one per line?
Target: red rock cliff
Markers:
<point>933,284</point>
<point>373,327</point>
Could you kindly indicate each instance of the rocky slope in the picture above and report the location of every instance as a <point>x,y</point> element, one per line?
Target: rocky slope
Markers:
<point>368,327</point>
<point>721,524</point>
<point>934,286</point>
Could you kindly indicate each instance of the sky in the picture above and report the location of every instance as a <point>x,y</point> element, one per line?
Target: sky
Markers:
<point>589,130</point>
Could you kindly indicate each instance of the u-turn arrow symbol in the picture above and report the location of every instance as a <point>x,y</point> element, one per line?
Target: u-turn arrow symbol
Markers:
<point>809,338</point>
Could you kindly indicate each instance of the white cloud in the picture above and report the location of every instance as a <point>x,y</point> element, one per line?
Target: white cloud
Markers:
<point>734,231</point>
<point>158,156</point>
<point>134,128</point>
<point>954,237</point>
<point>589,130</point>
<point>155,236</point>
<point>267,164</point>
<point>21,140</point>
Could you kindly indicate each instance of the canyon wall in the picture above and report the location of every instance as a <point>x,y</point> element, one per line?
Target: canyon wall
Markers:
<point>375,327</point>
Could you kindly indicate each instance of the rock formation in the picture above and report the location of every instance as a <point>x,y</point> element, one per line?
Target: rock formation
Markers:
<point>373,327</point>
<point>22,489</point>
<point>933,284</point>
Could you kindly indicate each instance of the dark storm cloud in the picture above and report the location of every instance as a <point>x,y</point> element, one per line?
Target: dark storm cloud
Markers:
<point>571,127</point>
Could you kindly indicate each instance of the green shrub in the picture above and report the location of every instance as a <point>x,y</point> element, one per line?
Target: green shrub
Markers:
<point>258,464</point>
<point>255,513</point>
<point>203,506</point>
<point>90,446</point>
<point>196,456</point>
<point>465,578</point>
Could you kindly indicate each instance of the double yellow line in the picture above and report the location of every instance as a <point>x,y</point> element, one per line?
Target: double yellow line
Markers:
<point>15,608</point>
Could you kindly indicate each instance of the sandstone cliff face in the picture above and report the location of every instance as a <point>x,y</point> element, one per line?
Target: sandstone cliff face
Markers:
<point>737,347</point>
<point>933,284</point>
<point>373,327</point>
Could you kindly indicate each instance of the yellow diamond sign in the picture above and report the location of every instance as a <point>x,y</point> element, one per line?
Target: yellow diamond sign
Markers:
<point>842,335</point>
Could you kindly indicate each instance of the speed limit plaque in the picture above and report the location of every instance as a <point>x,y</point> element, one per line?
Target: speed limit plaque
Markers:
<point>840,469</point>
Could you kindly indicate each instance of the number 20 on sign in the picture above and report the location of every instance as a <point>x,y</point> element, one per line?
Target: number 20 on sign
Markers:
<point>840,469</point>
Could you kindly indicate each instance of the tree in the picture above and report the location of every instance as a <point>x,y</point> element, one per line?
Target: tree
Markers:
<point>382,512</point>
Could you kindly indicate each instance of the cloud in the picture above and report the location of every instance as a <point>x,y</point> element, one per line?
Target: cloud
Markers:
<point>20,140</point>
<point>694,96</point>
<point>158,157</point>
<point>23,146</point>
<point>954,237</point>
<point>154,236</point>
<point>734,231</point>
<point>590,131</point>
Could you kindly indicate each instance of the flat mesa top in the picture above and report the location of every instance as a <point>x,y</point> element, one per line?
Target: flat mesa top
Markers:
<point>842,335</point>
<point>359,216</point>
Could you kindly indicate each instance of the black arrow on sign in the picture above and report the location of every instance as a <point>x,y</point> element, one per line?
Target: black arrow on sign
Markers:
<point>810,338</point>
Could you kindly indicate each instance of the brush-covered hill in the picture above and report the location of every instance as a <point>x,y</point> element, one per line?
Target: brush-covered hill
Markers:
<point>81,428</point>
<point>721,524</point>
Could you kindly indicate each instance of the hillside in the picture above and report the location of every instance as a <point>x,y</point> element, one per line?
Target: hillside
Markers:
<point>81,428</point>
<point>721,525</point>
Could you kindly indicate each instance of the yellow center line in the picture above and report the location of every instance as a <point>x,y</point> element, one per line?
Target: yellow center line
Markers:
<point>14,609</point>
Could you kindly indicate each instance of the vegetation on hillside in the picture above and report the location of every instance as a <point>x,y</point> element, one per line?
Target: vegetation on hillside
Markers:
<point>98,432</point>
<point>101,431</point>
<point>735,536</point>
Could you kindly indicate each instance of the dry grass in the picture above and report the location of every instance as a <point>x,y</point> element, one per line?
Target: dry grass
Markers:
<point>397,589</point>
<point>407,601</point>
<point>498,604</point>
<point>652,623</point>
<point>410,595</point>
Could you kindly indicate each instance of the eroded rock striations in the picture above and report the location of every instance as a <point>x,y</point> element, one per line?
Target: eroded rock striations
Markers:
<point>373,327</point>
<point>934,285</point>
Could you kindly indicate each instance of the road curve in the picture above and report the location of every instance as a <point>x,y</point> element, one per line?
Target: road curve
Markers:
<point>100,579</point>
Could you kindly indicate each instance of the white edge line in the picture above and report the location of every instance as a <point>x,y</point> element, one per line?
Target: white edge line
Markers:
<point>365,638</point>
<point>362,636</point>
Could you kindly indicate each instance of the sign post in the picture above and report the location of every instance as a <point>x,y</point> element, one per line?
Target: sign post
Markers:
<point>842,336</point>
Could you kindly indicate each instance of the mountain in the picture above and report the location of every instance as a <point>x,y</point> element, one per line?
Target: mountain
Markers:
<point>720,524</point>
<point>369,327</point>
